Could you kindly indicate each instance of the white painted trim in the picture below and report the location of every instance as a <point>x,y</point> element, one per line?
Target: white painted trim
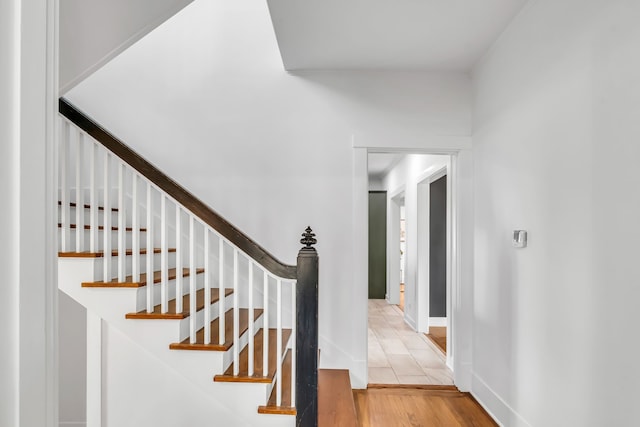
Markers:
<point>398,192</point>
<point>94,370</point>
<point>51,213</point>
<point>497,408</point>
<point>462,244</point>
<point>437,321</point>
<point>427,144</point>
<point>331,351</point>
<point>410,321</point>
<point>35,226</point>
<point>360,244</point>
<point>460,328</point>
<point>463,376</point>
<point>393,244</point>
<point>123,46</point>
<point>422,233</point>
<point>431,174</point>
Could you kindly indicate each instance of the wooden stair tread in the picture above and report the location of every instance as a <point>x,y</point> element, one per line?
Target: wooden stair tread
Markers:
<point>285,407</point>
<point>171,314</point>
<point>74,204</point>
<point>101,227</point>
<point>335,399</point>
<point>129,283</point>
<point>215,333</point>
<point>100,254</point>
<point>257,377</point>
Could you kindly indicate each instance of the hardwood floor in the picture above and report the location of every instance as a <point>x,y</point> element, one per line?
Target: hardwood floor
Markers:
<point>335,399</point>
<point>438,335</point>
<point>406,407</point>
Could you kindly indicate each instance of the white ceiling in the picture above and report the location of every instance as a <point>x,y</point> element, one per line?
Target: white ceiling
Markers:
<point>92,32</point>
<point>381,163</point>
<point>388,34</point>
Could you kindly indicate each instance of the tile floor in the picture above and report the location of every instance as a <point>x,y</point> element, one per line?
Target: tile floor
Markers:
<point>398,354</point>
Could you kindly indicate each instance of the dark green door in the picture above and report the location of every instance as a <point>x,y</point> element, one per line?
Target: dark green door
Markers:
<point>377,244</point>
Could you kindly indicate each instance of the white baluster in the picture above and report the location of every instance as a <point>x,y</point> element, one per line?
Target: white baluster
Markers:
<point>79,190</point>
<point>135,230</point>
<point>192,279</point>
<point>179,278</point>
<point>236,316</point>
<point>251,317</point>
<point>265,327</point>
<point>93,199</point>
<point>149,272</point>
<point>164,247</point>
<point>279,343</point>
<point>294,325</point>
<point>64,187</point>
<point>122,248</point>
<point>207,288</point>
<point>221,287</point>
<point>106,223</point>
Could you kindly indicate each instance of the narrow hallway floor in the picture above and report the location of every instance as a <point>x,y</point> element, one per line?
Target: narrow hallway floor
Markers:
<point>398,354</point>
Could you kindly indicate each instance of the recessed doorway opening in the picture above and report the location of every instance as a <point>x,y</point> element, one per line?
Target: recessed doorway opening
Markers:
<point>399,352</point>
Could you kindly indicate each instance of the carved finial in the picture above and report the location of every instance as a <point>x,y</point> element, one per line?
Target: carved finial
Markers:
<point>308,238</point>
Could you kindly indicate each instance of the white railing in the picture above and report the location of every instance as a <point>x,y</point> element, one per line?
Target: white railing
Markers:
<point>137,207</point>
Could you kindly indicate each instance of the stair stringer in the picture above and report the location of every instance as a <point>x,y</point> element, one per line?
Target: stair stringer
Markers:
<point>154,337</point>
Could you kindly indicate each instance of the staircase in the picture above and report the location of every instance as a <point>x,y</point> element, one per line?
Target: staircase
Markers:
<point>188,290</point>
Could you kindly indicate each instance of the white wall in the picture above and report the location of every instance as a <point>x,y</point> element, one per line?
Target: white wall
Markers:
<point>205,98</point>
<point>130,373</point>
<point>405,177</point>
<point>375,183</point>
<point>92,32</point>
<point>556,153</point>
<point>72,344</point>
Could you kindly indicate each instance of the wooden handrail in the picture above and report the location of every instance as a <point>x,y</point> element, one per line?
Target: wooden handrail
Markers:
<point>177,192</point>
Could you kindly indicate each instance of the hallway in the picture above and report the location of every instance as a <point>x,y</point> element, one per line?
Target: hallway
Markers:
<point>399,355</point>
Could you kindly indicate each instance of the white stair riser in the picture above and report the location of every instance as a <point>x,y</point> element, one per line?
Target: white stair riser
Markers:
<point>86,215</point>
<point>171,262</point>
<point>215,309</point>
<point>100,242</point>
<point>141,294</point>
<point>244,340</point>
<point>154,336</point>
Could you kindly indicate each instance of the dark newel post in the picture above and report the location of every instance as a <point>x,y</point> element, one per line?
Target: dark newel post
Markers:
<point>307,333</point>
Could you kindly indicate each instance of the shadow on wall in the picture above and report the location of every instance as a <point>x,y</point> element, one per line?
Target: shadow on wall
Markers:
<point>412,104</point>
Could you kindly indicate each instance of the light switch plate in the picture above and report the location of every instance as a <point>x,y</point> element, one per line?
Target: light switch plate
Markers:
<point>520,238</point>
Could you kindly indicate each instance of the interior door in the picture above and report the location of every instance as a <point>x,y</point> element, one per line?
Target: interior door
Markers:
<point>377,244</point>
<point>438,248</point>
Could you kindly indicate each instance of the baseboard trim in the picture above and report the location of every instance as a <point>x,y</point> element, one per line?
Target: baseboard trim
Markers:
<point>334,357</point>
<point>438,321</point>
<point>462,376</point>
<point>495,406</point>
<point>411,322</point>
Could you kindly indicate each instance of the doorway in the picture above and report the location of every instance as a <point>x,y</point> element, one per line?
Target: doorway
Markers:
<point>434,245</point>
<point>398,351</point>
<point>377,244</point>
<point>396,248</point>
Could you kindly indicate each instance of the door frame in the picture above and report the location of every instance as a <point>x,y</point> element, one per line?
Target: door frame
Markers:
<point>461,339</point>
<point>393,244</point>
<point>424,247</point>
